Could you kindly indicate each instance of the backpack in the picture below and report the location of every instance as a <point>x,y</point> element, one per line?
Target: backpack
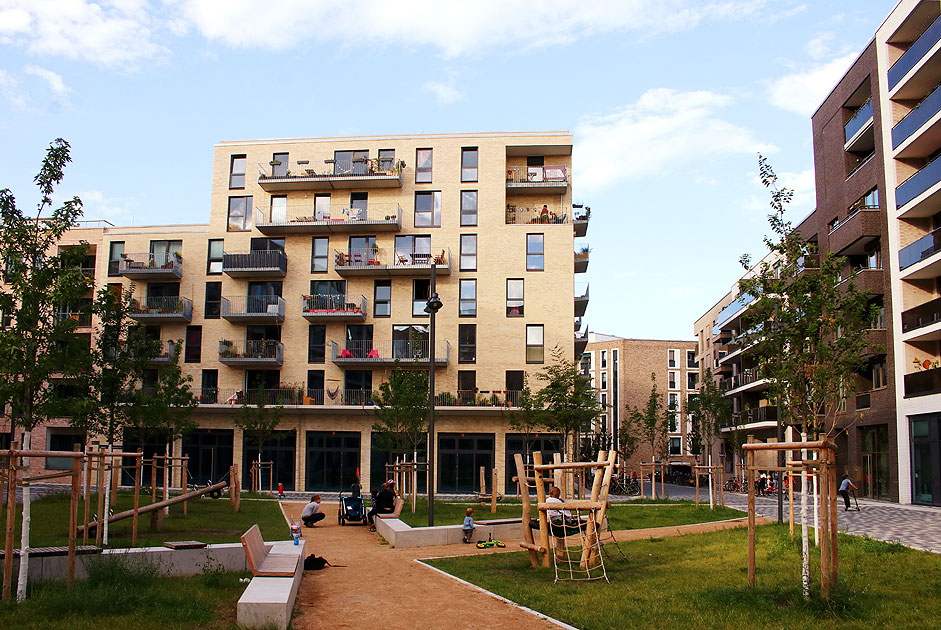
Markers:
<point>315,563</point>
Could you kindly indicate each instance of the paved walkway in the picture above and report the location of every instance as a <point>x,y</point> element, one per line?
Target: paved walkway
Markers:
<point>915,526</point>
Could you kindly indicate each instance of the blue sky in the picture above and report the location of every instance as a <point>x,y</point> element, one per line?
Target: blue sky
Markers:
<point>669,101</point>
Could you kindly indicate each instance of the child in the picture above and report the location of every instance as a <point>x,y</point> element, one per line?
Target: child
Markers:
<point>468,526</point>
<point>280,490</point>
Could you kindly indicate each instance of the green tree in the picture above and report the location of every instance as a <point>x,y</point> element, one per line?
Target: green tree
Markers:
<point>807,328</point>
<point>401,404</point>
<point>651,421</point>
<point>528,417</point>
<point>711,412</point>
<point>571,405</point>
<point>258,421</point>
<point>40,297</point>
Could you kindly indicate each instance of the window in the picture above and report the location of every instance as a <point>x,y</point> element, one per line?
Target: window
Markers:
<point>279,209</point>
<point>350,162</point>
<point>515,379</point>
<point>469,164</point>
<point>194,344</point>
<point>468,252</point>
<point>407,245</point>
<point>468,302</point>
<point>673,407</point>
<point>671,358</point>
<point>672,380</point>
<point>259,244</point>
<point>466,386</point>
<point>604,380</point>
<point>869,200</point>
<point>467,343</point>
<point>535,350</point>
<point>237,172</point>
<point>420,293</point>
<point>315,386</point>
<point>209,389</point>
<point>316,343</point>
<point>879,375</point>
<point>318,255</point>
<point>410,341</point>
<point>676,447</point>
<point>878,321</point>
<point>514,297</point>
<point>213,300</point>
<point>428,209</point>
<point>382,299</point>
<point>691,378</point>
<point>468,207</point>
<point>279,165</point>
<point>423,166</point>
<point>691,361</point>
<point>386,159</point>
<point>322,207</point>
<point>240,214</point>
<point>535,252</point>
<point>214,256</point>
<point>604,359</point>
<point>115,252</point>
<point>359,206</point>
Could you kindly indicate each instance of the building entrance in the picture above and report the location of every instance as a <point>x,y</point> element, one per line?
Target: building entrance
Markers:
<point>875,458</point>
<point>926,459</point>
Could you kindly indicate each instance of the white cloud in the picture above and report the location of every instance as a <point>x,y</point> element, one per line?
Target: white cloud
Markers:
<point>445,92</point>
<point>819,46</point>
<point>11,92</point>
<point>97,205</point>
<point>802,92</point>
<point>52,79</point>
<point>801,182</point>
<point>663,129</point>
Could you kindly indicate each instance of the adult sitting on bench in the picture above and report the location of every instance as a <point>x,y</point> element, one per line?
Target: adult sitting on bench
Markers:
<point>311,513</point>
<point>384,503</point>
<point>561,522</point>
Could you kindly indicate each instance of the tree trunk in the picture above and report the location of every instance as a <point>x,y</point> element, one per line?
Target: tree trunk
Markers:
<point>108,478</point>
<point>712,503</point>
<point>805,542</point>
<point>816,512</point>
<point>166,477</point>
<point>24,531</point>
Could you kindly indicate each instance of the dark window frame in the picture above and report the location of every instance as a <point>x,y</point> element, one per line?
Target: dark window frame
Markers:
<point>212,309</point>
<point>468,216</point>
<point>465,170</point>
<point>469,255</point>
<point>521,308</point>
<point>376,301</point>
<point>541,347</point>
<point>541,254</point>
<point>421,172</point>
<point>193,350</point>
<point>233,174</point>
<point>464,343</point>
<point>462,300</point>
<point>210,259</point>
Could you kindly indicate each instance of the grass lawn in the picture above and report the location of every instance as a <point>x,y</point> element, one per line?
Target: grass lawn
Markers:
<point>119,594</point>
<point>699,581</point>
<point>208,520</point>
<point>631,515</point>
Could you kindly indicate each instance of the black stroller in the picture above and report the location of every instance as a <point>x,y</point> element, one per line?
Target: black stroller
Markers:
<point>352,508</point>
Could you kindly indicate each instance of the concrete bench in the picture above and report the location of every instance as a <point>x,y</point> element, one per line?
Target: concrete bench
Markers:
<point>400,534</point>
<point>396,509</point>
<point>269,599</point>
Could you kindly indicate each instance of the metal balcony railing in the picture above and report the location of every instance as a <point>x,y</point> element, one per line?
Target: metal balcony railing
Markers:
<point>536,174</point>
<point>82,318</point>
<point>475,398</point>
<point>370,212</point>
<point>919,182</point>
<point>397,258</point>
<point>245,396</point>
<point>253,306</point>
<point>922,315</point>
<point>167,352</point>
<point>541,215</point>
<point>333,304</point>
<point>759,414</point>
<point>270,260</point>
<point>862,116</point>
<point>150,264</point>
<point>746,377</point>
<point>254,349</point>
<point>389,351</point>
<point>915,52</point>
<point>155,307</point>
<point>921,249</point>
<point>923,383</point>
<point>916,118</point>
<point>305,169</point>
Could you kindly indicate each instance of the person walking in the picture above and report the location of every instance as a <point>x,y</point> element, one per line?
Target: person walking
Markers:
<point>844,491</point>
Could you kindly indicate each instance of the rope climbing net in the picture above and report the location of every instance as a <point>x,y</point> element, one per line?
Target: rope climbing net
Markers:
<point>578,556</point>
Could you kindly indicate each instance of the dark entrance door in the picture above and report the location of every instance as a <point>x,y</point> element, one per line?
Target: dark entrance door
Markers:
<point>332,460</point>
<point>926,459</point>
<point>279,450</point>
<point>547,444</point>
<point>210,453</point>
<point>875,458</point>
<point>460,456</point>
<point>381,453</point>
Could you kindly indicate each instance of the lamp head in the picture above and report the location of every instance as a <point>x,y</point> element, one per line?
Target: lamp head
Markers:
<point>433,305</point>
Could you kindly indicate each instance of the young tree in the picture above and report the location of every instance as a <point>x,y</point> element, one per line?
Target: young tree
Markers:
<point>259,421</point>
<point>651,420</point>
<point>40,293</point>
<point>401,404</point>
<point>711,412</point>
<point>528,418</point>
<point>569,401</point>
<point>808,328</point>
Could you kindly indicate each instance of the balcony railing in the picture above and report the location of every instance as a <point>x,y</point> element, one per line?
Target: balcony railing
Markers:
<point>82,318</point>
<point>475,398</point>
<point>281,396</point>
<point>361,172</point>
<point>862,116</point>
<point>537,175</point>
<point>759,414</point>
<point>923,383</point>
<point>386,261</point>
<point>162,309</point>
<point>169,265</point>
<point>836,225</point>
<point>922,315</point>
<point>746,377</point>
<point>270,262</point>
<point>537,215</point>
<point>253,308</point>
<point>386,352</point>
<point>913,55</point>
<point>299,218</point>
<point>918,183</point>
<point>580,217</point>
<point>262,351</point>
<point>333,306</point>
<point>167,352</point>
<point>915,119</point>
<point>726,313</point>
<point>921,249</point>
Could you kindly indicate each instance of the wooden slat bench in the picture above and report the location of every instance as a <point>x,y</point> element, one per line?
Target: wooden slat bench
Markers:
<point>396,509</point>
<point>264,563</point>
<point>269,599</point>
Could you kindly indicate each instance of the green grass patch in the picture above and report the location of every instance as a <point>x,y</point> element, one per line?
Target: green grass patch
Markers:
<point>207,520</point>
<point>699,581</point>
<point>120,593</point>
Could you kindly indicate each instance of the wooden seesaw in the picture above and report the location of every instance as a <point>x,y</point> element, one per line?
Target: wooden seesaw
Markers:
<point>160,504</point>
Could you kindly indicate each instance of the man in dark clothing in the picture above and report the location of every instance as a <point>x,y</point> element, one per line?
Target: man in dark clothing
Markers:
<point>384,504</point>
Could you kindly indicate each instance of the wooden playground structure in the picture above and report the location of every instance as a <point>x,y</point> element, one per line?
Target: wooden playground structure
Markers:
<point>554,534</point>
<point>652,467</point>
<point>255,475</point>
<point>493,496</point>
<point>405,476</point>
<point>717,479</point>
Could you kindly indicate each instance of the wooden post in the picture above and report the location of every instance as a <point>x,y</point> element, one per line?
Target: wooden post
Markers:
<point>557,474</point>
<point>87,492</point>
<point>697,486</point>
<point>138,471</point>
<point>790,501</point>
<point>589,553</point>
<point>237,486</point>
<point>824,485</point>
<point>166,480</point>
<point>183,484</point>
<point>642,480</point>
<point>663,481</point>
<point>73,513</point>
<point>527,510</point>
<point>750,468</point>
<point>541,498</point>
<point>483,481</point>
<point>493,491</point>
<point>721,484</point>
<point>99,531</point>
<point>834,556</point>
<point>11,517</point>
<point>153,479</point>
<point>653,480</point>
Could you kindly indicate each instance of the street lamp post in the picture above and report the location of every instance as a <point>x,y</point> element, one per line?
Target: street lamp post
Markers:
<point>432,306</point>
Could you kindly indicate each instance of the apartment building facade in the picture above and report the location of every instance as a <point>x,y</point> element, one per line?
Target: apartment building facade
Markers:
<point>310,282</point>
<point>620,370</point>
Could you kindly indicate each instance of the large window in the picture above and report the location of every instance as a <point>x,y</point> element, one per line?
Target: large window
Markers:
<point>535,252</point>
<point>214,256</point>
<point>421,288</point>
<point>316,344</point>
<point>410,341</point>
<point>469,164</point>
<point>428,209</point>
<point>468,207</point>
<point>210,387</point>
<point>350,162</point>
<point>240,214</point>
<point>194,344</point>
<point>691,378</point>
<point>466,386</point>
<point>468,252</point>
<point>237,172</point>
<point>115,252</point>
<point>676,446</point>
<point>213,300</point>
<point>386,159</point>
<point>423,166</point>
<point>535,344</point>
<point>280,165</point>
<point>382,299</point>
<point>514,297</point>
<point>318,255</point>
<point>315,386</point>
<point>467,343</point>
<point>468,303</point>
<point>322,207</point>
<point>405,246</point>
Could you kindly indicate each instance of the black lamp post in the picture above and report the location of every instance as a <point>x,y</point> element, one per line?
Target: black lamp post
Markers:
<point>432,306</point>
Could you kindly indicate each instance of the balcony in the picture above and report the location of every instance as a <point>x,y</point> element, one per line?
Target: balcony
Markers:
<point>869,280</point>
<point>536,180</point>
<point>924,249</point>
<point>301,175</point>
<point>281,396</point>
<point>877,342</point>
<point>746,381</point>
<point>537,215</point>
<point>925,76</point>
<point>581,299</point>
<point>251,354</point>
<point>496,399</point>
<point>579,322</point>
<point>263,264</point>
<point>163,310</point>
<point>857,127</point>
<point>580,216</point>
<point>321,308</point>
<point>927,141</point>
<point>851,235</point>
<point>581,342</point>
<point>923,322</point>
<point>923,383</point>
<point>149,267</point>
<point>756,415</point>
<point>304,219</point>
<point>81,317</point>
<point>728,313</point>
<point>383,262</point>
<point>385,353</point>
<point>581,260</point>
<point>253,309</point>
<point>167,352</point>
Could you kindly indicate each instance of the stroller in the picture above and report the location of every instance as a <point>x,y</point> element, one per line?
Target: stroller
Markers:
<point>352,508</point>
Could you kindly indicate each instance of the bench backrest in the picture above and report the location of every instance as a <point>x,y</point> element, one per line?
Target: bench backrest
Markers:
<point>254,547</point>
<point>396,509</point>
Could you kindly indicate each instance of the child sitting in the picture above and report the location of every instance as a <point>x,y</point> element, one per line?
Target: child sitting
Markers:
<point>468,526</point>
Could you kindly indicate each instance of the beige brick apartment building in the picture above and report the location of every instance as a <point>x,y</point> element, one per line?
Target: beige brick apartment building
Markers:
<point>311,277</point>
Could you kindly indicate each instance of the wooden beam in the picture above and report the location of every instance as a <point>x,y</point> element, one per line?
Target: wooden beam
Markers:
<point>787,446</point>
<point>750,454</point>
<point>156,506</point>
<point>541,497</point>
<point>73,515</point>
<point>11,517</point>
<point>527,514</point>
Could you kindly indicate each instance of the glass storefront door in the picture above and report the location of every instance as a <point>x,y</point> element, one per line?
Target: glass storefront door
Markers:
<point>926,459</point>
<point>875,458</point>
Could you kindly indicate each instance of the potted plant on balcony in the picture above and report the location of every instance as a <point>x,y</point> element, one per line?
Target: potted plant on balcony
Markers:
<point>227,350</point>
<point>494,400</point>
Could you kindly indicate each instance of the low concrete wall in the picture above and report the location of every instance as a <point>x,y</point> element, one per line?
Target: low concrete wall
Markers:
<point>400,534</point>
